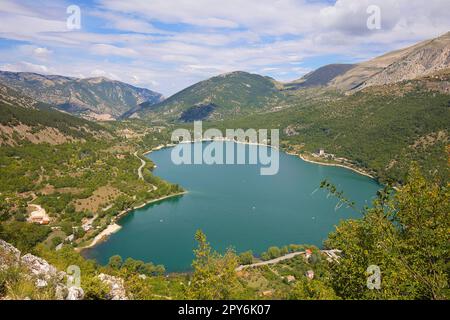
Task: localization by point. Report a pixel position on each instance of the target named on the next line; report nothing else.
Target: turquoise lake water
(235, 206)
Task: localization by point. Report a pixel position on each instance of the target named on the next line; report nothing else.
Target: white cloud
(169, 44)
(110, 50)
(264, 16)
(24, 66)
(125, 23)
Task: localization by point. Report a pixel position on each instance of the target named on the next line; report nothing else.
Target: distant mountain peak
(98, 97)
(409, 63)
(224, 95)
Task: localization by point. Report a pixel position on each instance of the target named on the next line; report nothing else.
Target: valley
(75, 175)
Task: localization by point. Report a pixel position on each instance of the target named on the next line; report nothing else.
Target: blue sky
(166, 45)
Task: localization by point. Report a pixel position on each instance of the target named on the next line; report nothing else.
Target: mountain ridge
(396, 66)
(97, 98)
(320, 77)
(232, 93)
(23, 119)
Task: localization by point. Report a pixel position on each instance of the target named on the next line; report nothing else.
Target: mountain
(320, 77)
(382, 129)
(23, 119)
(425, 59)
(406, 64)
(226, 95)
(94, 98)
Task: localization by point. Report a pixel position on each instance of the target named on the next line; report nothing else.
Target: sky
(167, 45)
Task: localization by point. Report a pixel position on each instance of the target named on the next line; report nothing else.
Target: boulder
(61, 291)
(9, 255)
(41, 283)
(41, 269)
(75, 293)
(116, 285)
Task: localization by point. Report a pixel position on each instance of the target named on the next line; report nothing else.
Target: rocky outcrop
(97, 98)
(45, 275)
(410, 63)
(428, 59)
(9, 255)
(41, 270)
(116, 285)
(75, 293)
(38, 270)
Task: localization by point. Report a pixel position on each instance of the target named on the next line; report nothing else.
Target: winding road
(332, 255)
(273, 261)
(140, 175)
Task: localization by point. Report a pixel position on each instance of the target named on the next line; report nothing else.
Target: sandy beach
(114, 227)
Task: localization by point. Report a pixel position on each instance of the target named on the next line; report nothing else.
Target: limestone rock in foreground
(116, 285)
(75, 293)
(41, 269)
(9, 255)
(44, 275)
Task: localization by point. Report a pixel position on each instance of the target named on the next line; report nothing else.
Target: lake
(235, 206)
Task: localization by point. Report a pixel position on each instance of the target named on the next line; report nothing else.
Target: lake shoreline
(328, 164)
(304, 158)
(113, 227)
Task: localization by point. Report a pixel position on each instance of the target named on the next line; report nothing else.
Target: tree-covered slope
(320, 77)
(23, 119)
(381, 128)
(233, 94)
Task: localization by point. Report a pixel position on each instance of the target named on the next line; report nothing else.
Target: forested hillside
(233, 94)
(78, 172)
(381, 129)
(404, 235)
(23, 119)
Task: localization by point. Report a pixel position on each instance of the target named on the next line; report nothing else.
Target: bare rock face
(116, 285)
(9, 255)
(422, 59)
(40, 268)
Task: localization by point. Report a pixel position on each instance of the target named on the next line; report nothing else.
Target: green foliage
(94, 289)
(46, 118)
(56, 241)
(232, 94)
(246, 257)
(306, 289)
(24, 236)
(380, 130)
(274, 252)
(115, 262)
(214, 276)
(406, 235)
(15, 285)
(75, 171)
